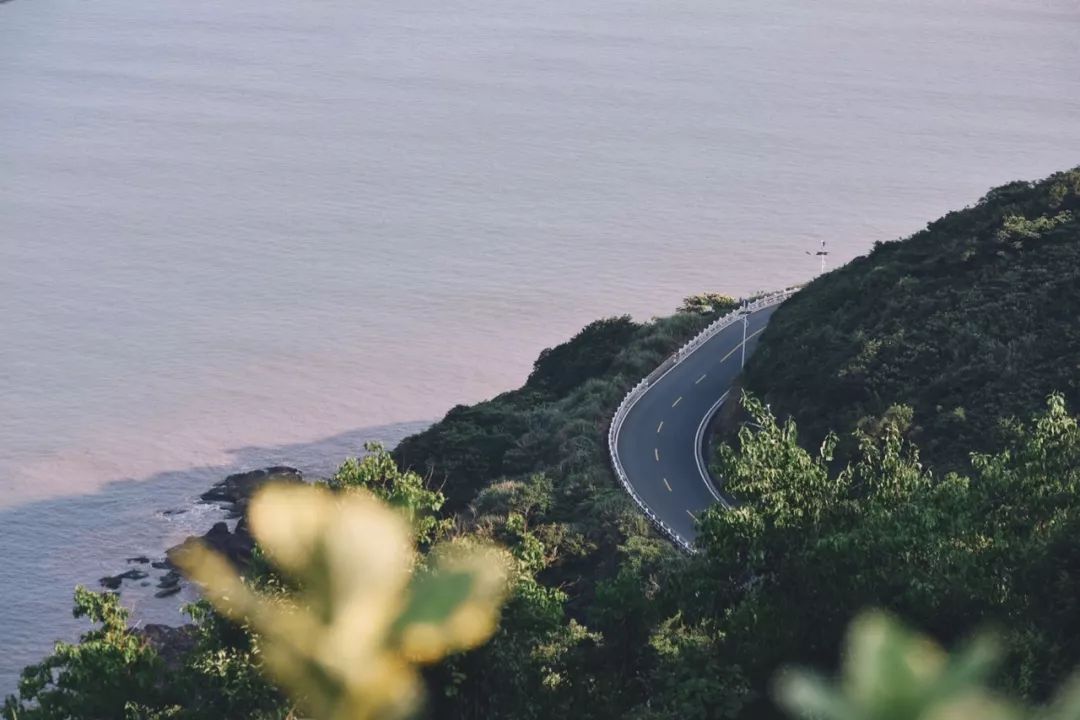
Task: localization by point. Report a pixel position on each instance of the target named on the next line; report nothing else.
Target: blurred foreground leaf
(892, 673)
(367, 607)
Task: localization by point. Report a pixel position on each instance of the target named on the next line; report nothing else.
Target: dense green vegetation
(217, 666)
(527, 468)
(662, 636)
(972, 320)
(112, 672)
(811, 545)
(604, 619)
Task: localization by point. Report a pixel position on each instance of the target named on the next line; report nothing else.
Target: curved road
(660, 440)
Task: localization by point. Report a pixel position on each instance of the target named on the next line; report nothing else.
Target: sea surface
(263, 231)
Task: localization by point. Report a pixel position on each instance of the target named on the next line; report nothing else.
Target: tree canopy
(920, 458)
(972, 320)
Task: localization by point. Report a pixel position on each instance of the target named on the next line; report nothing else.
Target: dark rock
(239, 488)
(217, 533)
(218, 493)
(236, 546)
(170, 643)
(112, 582)
(175, 511)
(170, 579)
(144, 583)
(235, 492)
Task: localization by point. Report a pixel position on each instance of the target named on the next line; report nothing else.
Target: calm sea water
(254, 231)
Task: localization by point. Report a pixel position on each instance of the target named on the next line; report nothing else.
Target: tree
(811, 544)
(378, 473)
(110, 670)
(708, 304)
(968, 321)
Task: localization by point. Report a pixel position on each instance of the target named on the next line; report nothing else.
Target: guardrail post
(631, 396)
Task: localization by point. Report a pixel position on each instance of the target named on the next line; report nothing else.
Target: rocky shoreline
(233, 494)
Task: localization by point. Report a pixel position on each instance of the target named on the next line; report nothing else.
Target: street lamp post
(745, 325)
(822, 253)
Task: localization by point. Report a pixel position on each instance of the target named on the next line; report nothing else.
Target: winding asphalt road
(660, 441)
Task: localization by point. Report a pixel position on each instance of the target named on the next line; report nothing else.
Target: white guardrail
(636, 392)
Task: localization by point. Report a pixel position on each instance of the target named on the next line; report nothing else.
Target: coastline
(79, 539)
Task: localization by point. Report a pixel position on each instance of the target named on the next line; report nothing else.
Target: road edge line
(699, 438)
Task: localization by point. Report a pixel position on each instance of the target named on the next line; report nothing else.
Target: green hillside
(959, 345)
(969, 321)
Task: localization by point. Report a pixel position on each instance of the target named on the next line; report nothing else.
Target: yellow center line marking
(677, 401)
(660, 426)
(656, 451)
(700, 378)
(667, 485)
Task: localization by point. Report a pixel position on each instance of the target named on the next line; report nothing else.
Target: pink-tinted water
(261, 231)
